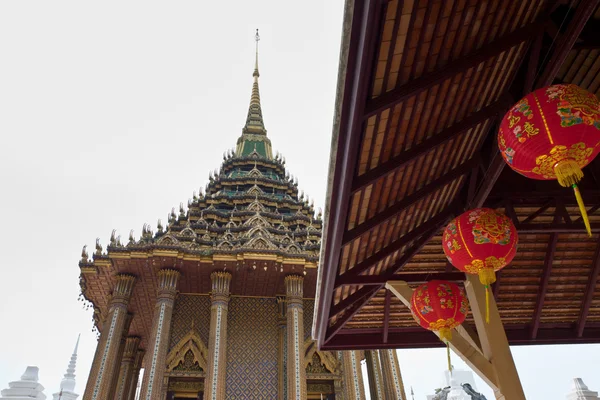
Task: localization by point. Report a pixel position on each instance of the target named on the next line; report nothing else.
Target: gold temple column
(296, 373)
(159, 338)
(119, 362)
(105, 366)
(135, 376)
(214, 388)
(281, 349)
(375, 375)
(127, 367)
(353, 378)
(392, 377)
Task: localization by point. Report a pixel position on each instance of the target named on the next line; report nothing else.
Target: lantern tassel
(582, 209)
(487, 276)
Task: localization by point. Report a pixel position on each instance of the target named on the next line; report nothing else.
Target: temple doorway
(320, 389)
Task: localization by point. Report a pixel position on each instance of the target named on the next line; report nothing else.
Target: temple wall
(309, 309)
(190, 308)
(252, 349)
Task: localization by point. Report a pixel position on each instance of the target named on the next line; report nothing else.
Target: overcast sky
(113, 112)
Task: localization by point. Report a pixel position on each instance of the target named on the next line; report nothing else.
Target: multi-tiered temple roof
(251, 219)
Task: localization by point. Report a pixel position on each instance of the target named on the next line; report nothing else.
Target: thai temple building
(26, 388)
(218, 302)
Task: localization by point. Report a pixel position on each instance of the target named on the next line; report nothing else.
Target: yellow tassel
(448, 354)
(568, 172)
(445, 335)
(582, 209)
(487, 304)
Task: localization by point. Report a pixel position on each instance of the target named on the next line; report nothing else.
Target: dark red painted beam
(589, 291)
(432, 224)
(419, 85)
(412, 277)
(370, 291)
(537, 314)
(386, 315)
(363, 31)
(489, 180)
(406, 202)
(420, 338)
(427, 145)
(585, 9)
(558, 228)
(350, 300)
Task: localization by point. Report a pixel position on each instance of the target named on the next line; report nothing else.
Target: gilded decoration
(190, 354)
(519, 121)
(489, 263)
(545, 163)
(575, 105)
(252, 349)
(326, 359)
(490, 227)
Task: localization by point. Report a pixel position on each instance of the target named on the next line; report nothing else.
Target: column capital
(123, 289)
(167, 282)
(294, 286)
(220, 283)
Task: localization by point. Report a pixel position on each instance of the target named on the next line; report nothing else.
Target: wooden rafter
(537, 314)
(386, 315)
(413, 277)
(418, 85)
(428, 145)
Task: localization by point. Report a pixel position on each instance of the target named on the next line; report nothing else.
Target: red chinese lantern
(552, 133)
(439, 306)
(481, 241)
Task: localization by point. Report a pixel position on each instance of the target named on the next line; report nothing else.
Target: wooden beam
(494, 342)
(416, 86)
(358, 48)
(537, 314)
(348, 301)
(409, 200)
(558, 228)
(428, 227)
(386, 315)
(532, 66)
(585, 9)
(350, 312)
(412, 277)
(489, 180)
(589, 291)
(463, 346)
(427, 145)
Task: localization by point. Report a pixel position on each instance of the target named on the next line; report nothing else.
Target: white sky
(111, 113)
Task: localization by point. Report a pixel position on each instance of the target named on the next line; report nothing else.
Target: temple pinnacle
(256, 39)
(67, 385)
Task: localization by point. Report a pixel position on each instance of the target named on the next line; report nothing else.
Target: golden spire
(254, 121)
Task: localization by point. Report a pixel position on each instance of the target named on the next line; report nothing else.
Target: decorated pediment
(167, 240)
(257, 220)
(256, 206)
(189, 354)
(318, 362)
(187, 232)
(260, 243)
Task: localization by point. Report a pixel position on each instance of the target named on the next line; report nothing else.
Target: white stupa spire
(580, 391)
(27, 388)
(67, 385)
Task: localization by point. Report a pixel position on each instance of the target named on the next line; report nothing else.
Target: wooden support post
(487, 351)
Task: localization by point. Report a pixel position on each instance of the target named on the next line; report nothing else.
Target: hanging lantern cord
(487, 304)
(582, 209)
(448, 355)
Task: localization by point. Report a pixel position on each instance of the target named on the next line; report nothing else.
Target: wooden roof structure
(422, 88)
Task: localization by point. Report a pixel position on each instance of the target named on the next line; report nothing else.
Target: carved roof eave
(208, 255)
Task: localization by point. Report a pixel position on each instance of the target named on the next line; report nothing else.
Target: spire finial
(256, 39)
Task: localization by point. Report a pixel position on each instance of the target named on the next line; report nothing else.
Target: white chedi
(25, 389)
(67, 385)
(580, 391)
